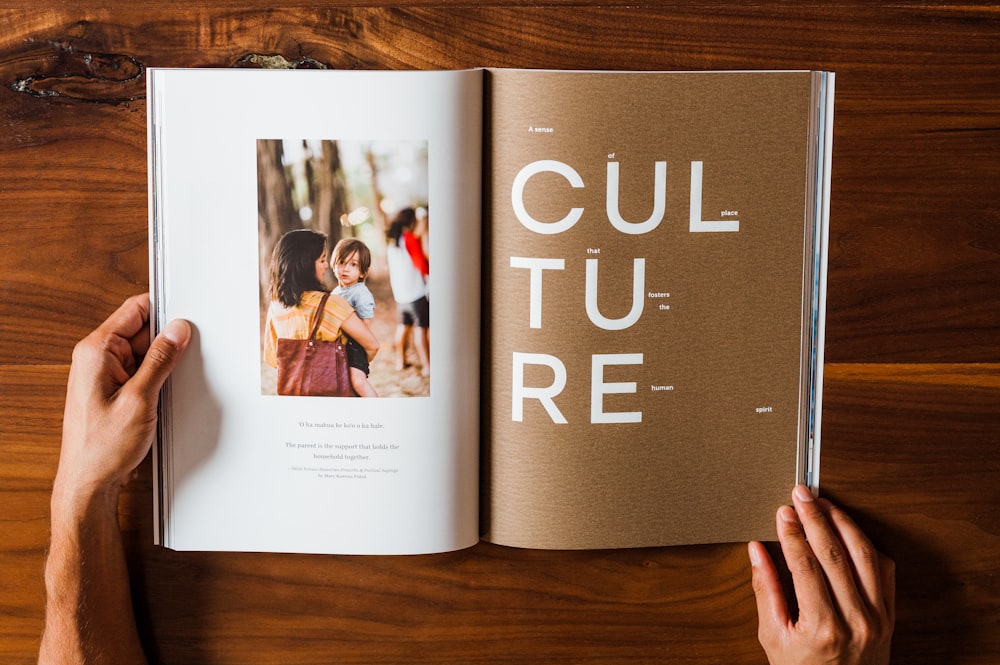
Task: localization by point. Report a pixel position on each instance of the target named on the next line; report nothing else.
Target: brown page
(646, 366)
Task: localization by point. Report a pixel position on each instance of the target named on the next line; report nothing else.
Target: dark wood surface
(912, 393)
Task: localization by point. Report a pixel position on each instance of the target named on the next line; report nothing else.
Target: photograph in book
(349, 219)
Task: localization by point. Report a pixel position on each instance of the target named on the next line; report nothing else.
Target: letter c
(517, 196)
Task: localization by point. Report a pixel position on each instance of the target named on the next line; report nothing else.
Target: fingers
(862, 556)
(129, 319)
(830, 552)
(109, 353)
(874, 573)
(161, 357)
(845, 589)
(772, 608)
(811, 589)
(110, 411)
(119, 339)
(888, 576)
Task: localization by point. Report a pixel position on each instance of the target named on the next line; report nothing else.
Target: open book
(623, 316)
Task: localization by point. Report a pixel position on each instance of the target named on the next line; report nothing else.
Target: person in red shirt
(409, 272)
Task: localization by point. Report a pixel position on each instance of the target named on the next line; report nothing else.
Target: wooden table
(912, 420)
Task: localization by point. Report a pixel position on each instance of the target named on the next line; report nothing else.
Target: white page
(233, 472)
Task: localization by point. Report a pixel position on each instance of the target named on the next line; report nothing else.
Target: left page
(240, 159)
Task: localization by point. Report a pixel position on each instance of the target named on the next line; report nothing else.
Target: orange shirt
(295, 322)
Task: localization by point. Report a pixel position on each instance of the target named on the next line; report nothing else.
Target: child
(350, 261)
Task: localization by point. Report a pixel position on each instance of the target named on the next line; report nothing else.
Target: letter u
(659, 201)
(638, 291)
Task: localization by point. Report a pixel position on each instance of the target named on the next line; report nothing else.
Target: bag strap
(318, 317)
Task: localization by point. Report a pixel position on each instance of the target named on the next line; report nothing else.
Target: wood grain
(910, 451)
(913, 396)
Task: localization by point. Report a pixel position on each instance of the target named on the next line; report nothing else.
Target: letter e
(598, 388)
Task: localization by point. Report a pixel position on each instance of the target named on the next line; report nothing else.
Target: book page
(240, 159)
(648, 289)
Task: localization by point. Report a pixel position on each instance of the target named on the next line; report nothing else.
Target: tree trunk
(331, 191)
(378, 214)
(276, 215)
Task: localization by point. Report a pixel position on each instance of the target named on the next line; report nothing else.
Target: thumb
(162, 356)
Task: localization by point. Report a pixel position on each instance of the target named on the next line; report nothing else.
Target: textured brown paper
(720, 333)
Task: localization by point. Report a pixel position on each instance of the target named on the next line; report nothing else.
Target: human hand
(114, 384)
(845, 590)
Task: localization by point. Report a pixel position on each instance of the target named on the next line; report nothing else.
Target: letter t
(536, 266)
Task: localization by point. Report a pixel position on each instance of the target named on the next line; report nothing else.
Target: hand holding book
(845, 590)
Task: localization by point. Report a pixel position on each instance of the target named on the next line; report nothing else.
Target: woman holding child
(299, 267)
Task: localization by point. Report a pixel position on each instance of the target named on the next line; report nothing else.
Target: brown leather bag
(312, 366)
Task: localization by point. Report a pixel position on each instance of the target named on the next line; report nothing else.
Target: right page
(654, 271)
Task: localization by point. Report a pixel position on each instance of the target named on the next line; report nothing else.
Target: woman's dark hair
(293, 266)
(405, 219)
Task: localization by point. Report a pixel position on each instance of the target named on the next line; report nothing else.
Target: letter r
(543, 395)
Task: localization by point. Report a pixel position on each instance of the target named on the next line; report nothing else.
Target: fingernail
(177, 331)
(787, 514)
(754, 554)
(803, 494)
